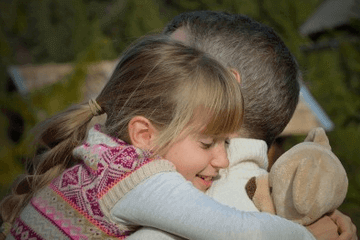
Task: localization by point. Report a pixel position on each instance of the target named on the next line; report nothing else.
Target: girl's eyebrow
(213, 138)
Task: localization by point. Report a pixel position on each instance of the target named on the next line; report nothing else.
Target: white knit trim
(108, 201)
(246, 149)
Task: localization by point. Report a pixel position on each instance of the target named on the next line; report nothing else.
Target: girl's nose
(220, 159)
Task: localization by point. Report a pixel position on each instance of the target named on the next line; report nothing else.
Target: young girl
(169, 107)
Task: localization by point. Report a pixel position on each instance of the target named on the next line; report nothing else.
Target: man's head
(268, 71)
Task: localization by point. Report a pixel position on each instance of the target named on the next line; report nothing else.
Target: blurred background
(56, 52)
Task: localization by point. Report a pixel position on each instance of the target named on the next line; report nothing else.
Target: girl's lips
(206, 180)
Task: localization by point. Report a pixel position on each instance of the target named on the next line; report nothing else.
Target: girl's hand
(329, 227)
(345, 227)
(324, 229)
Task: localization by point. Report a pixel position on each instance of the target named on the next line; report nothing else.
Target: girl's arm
(148, 233)
(168, 202)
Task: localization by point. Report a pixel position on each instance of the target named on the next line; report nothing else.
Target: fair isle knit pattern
(77, 204)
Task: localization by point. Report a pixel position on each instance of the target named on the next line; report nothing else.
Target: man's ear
(141, 132)
(179, 35)
(236, 74)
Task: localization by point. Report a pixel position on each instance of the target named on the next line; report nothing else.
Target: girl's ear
(236, 74)
(141, 132)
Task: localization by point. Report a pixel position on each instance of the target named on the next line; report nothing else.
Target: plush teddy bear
(305, 183)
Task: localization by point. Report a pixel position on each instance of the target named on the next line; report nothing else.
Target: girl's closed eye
(206, 144)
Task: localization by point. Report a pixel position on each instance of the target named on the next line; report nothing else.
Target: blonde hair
(172, 85)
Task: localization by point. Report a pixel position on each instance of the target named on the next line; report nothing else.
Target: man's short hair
(269, 72)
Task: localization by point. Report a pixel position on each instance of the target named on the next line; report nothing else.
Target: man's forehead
(179, 35)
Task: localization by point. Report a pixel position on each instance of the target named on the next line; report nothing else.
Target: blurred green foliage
(85, 31)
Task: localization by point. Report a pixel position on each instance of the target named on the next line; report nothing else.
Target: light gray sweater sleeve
(148, 233)
(168, 202)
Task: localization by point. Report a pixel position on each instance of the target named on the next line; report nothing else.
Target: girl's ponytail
(59, 135)
(54, 143)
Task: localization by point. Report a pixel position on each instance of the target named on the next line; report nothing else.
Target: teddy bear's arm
(258, 190)
(250, 187)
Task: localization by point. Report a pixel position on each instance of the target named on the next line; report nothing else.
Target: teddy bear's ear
(306, 185)
(318, 135)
